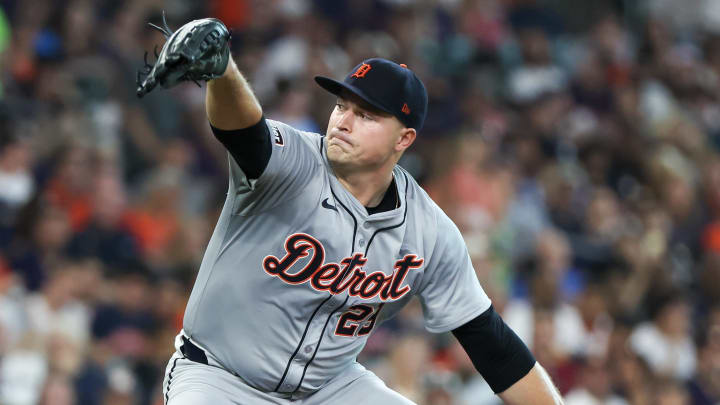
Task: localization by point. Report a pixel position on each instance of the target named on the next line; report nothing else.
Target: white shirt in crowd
(675, 358)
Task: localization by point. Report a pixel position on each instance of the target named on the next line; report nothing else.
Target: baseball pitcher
(321, 238)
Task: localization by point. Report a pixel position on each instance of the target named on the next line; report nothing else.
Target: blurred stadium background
(575, 143)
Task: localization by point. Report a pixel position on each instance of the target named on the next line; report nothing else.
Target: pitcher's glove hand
(197, 51)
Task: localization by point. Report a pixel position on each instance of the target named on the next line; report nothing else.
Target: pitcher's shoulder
(285, 135)
(418, 199)
(427, 221)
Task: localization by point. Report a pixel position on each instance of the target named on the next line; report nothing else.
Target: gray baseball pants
(189, 383)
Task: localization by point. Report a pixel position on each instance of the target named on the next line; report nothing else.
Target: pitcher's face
(360, 136)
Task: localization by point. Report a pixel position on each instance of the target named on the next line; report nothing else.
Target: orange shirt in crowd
(153, 232)
(78, 206)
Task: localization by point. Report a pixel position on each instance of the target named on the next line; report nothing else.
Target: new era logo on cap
(386, 85)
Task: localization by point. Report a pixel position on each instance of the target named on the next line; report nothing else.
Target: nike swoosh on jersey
(325, 204)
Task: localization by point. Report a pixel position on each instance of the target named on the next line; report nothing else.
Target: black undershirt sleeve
(250, 147)
(495, 350)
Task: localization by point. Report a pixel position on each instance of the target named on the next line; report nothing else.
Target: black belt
(192, 352)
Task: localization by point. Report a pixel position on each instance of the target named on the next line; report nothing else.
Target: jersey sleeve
(294, 159)
(450, 292)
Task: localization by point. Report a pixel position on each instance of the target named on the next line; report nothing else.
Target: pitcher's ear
(407, 137)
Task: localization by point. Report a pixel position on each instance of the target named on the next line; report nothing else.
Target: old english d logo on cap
(362, 70)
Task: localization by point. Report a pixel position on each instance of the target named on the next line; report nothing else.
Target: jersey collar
(352, 203)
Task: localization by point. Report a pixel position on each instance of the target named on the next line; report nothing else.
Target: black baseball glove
(197, 51)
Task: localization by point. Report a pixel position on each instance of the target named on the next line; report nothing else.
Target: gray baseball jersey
(297, 274)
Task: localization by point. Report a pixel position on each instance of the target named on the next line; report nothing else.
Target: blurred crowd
(575, 144)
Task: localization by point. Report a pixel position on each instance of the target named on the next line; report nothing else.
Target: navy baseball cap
(387, 86)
